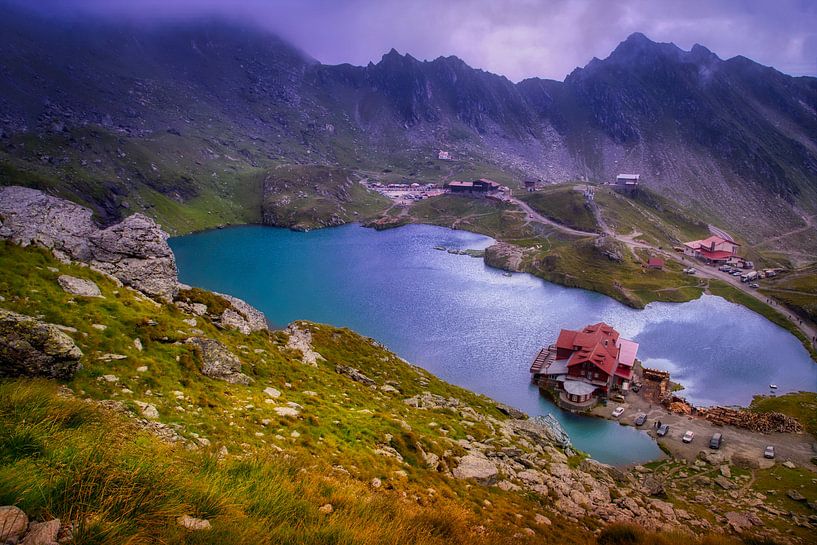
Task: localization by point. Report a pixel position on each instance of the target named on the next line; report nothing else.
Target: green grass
(564, 205)
(660, 222)
(799, 405)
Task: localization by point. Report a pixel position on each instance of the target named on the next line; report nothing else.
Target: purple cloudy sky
(516, 38)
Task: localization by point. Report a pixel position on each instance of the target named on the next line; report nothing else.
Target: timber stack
(752, 421)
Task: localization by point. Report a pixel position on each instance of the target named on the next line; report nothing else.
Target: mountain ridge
(722, 137)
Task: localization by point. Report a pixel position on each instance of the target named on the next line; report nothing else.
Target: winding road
(808, 329)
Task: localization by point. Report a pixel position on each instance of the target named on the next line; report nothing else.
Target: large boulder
(79, 286)
(134, 251)
(31, 348)
(478, 468)
(243, 316)
(217, 362)
(13, 523)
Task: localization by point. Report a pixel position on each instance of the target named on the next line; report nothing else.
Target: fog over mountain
(515, 38)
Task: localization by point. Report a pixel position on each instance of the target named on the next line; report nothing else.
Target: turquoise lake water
(475, 327)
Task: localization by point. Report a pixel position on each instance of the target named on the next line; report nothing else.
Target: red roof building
(655, 263)
(712, 249)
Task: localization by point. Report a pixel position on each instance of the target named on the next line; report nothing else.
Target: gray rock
(29, 347)
(42, 533)
(134, 251)
(147, 410)
(300, 339)
(795, 495)
(217, 362)
(243, 316)
(355, 375)
(79, 286)
(725, 471)
(272, 392)
(477, 467)
(724, 483)
(192, 523)
(13, 523)
(510, 411)
(654, 487)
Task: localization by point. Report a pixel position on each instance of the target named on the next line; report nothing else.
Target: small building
(583, 366)
(712, 249)
(444, 155)
(482, 185)
(627, 182)
(655, 263)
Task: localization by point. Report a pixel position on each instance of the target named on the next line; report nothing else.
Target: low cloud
(515, 38)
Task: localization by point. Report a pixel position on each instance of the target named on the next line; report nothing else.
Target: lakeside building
(712, 250)
(483, 185)
(585, 366)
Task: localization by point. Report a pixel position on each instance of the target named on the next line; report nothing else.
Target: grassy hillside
(86, 454)
(565, 205)
(796, 289)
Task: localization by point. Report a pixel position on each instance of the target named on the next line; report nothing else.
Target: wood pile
(679, 407)
(758, 422)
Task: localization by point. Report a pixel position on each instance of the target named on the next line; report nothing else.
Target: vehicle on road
(640, 419)
(715, 441)
(754, 285)
(618, 397)
(618, 412)
(663, 430)
(769, 452)
(688, 436)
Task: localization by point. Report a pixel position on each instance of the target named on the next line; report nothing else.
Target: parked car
(754, 285)
(688, 436)
(618, 397)
(640, 419)
(735, 273)
(663, 430)
(769, 452)
(715, 441)
(618, 412)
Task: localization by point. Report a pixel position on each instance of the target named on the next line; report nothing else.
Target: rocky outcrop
(355, 375)
(478, 468)
(217, 362)
(31, 348)
(242, 316)
(134, 251)
(300, 339)
(79, 286)
(502, 255)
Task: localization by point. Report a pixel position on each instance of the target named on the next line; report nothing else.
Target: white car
(688, 437)
(618, 412)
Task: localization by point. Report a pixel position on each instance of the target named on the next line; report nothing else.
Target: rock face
(42, 533)
(478, 468)
(13, 523)
(79, 286)
(301, 339)
(217, 362)
(31, 348)
(134, 251)
(243, 316)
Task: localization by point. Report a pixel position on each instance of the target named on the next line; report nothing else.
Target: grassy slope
(62, 456)
(564, 205)
(659, 221)
(54, 450)
(312, 196)
(796, 289)
(800, 405)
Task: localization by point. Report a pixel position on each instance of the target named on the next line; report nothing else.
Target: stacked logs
(758, 422)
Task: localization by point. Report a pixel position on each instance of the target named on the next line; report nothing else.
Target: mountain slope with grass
(185, 121)
(185, 424)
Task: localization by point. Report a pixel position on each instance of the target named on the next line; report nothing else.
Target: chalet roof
(655, 262)
(708, 242)
(598, 344)
(628, 177)
(458, 183)
(579, 388)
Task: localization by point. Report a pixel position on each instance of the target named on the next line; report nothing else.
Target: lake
(475, 327)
